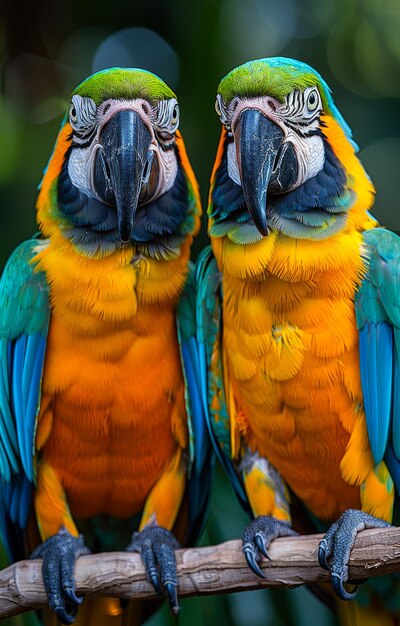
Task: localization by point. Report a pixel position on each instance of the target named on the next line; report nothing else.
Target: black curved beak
(258, 141)
(126, 142)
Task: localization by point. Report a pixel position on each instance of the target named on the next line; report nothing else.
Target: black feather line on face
(83, 140)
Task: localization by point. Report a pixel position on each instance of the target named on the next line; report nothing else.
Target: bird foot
(156, 546)
(337, 544)
(59, 554)
(258, 535)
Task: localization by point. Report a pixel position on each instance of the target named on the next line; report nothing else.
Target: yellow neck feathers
(298, 260)
(90, 293)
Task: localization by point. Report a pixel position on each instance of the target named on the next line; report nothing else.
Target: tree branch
(203, 571)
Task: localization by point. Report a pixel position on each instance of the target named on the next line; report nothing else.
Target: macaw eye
(73, 114)
(175, 114)
(166, 117)
(312, 100)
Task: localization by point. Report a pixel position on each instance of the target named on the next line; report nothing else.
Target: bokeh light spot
(378, 66)
(35, 87)
(364, 49)
(9, 141)
(381, 159)
(138, 47)
(245, 35)
(297, 19)
(77, 53)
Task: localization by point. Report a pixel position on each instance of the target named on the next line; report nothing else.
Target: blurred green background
(47, 47)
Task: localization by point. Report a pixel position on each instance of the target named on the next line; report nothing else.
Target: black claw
(337, 544)
(172, 595)
(59, 554)
(155, 581)
(338, 586)
(322, 560)
(260, 542)
(250, 555)
(71, 596)
(257, 537)
(156, 546)
(65, 617)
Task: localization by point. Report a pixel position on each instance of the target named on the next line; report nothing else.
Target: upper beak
(258, 141)
(126, 141)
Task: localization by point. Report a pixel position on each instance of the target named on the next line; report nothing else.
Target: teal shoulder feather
(378, 320)
(201, 456)
(24, 319)
(209, 326)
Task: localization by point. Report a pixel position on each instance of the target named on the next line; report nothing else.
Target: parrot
(298, 309)
(103, 439)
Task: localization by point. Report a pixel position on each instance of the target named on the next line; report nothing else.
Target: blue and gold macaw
(299, 318)
(102, 430)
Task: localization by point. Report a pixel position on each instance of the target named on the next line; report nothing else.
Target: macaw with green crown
(102, 434)
(299, 321)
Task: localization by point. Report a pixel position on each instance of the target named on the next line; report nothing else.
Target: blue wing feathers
(201, 453)
(198, 422)
(24, 318)
(376, 345)
(8, 435)
(17, 397)
(384, 342)
(396, 396)
(32, 400)
(208, 332)
(203, 463)
(378, 319)
(31, 346)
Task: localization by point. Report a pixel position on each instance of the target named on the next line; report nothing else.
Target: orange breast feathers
(112, 413)
(291, 363)
(291, 352)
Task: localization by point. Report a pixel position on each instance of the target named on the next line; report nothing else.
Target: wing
(24, 306)
(201, 455)
(209, 323)
(378, 320)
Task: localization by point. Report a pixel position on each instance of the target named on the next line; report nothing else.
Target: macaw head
(286, 161)
(119, 173)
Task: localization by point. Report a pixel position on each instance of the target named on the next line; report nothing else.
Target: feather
(208, 336)
(376, 346)
(202, 457)
(396, 395)
(377, 311)
(23, 331)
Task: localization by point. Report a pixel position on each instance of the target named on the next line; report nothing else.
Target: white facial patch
(167, 171)
(81, 167)
(164, 117)
(233, 170)
(310, 155)
(298, 107)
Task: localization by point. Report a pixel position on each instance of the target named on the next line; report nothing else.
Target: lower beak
(258, 141)
(126, 141)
